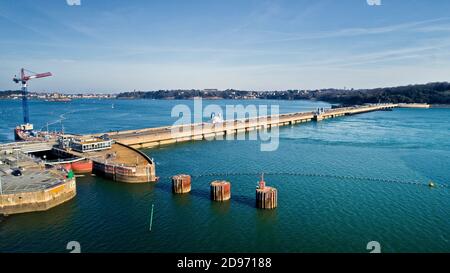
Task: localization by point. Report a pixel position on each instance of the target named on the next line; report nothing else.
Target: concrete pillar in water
(220, 190)
(181, 183)
(266, 197)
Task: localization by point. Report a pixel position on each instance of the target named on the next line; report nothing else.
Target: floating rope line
(342, 177)
(62, 117)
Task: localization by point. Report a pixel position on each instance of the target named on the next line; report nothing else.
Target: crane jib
(41, 75)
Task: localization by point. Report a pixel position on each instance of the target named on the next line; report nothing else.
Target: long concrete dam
(152, 137)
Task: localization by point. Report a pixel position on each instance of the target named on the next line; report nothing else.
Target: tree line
(433, 93)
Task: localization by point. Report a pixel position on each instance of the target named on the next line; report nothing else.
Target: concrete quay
(27, 185)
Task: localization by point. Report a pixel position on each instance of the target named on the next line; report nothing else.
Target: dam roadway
(152, 137)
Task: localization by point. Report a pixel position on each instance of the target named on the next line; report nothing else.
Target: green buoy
(70, 174)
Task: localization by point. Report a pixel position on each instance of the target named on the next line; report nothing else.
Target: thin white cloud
(350, 32)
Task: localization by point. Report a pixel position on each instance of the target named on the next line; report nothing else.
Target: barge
(26, 132)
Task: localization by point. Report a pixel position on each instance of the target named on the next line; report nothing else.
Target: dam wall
(152, 137)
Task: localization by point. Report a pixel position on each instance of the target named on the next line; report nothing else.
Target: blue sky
(116, 45)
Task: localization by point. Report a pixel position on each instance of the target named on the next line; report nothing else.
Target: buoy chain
(344, 177)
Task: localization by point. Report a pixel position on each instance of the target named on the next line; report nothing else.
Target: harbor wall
(37, 200)
(140, 174)
(120, 171)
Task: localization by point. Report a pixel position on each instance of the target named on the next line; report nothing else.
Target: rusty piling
(266, 197)
(220, 190)
(181, 183)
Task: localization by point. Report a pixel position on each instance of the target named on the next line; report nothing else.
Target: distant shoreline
(439, 105)
(430, 93)
(436, 94)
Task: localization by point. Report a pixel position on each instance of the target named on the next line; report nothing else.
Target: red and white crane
(23, 79)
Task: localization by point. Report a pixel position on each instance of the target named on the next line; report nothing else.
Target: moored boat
(83, 166)
(26, 132)
(59, 100)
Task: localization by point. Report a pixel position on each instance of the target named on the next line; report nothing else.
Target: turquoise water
(314, 214)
